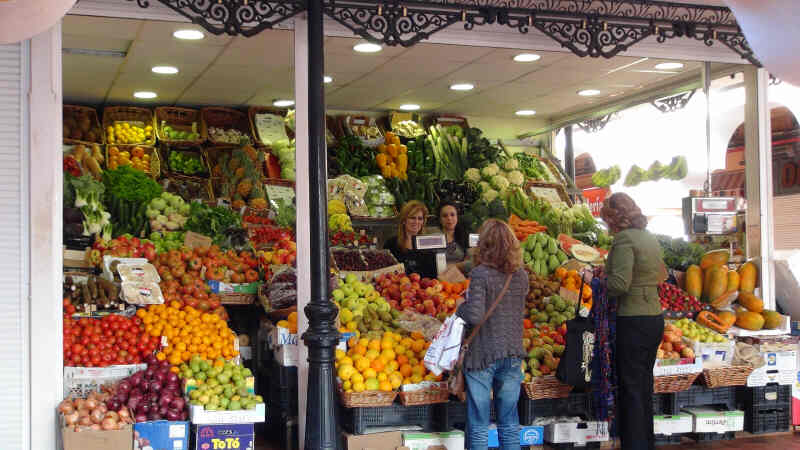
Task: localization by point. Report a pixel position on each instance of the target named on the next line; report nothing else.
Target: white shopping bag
(443, 352)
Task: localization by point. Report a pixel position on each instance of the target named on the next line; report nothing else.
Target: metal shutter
(13, 249)
(786, 225)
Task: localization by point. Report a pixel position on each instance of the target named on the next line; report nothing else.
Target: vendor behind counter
(410, 222)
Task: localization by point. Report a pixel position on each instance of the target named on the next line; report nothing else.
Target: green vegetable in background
(480, 151)
(450, 151)
(606, 177)
(88, 197)
(676, 170)
(532, 168)
(354, 158)
(286, 215)
(636, 175)
(213, 222)
(128, 192)
(188, 163)
(679, 254)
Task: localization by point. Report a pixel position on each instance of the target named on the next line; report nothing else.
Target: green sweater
(634, 269)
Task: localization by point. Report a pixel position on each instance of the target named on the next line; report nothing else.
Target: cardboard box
(450, 440)
(712, 355)
(76, 259)
(287, 355)
(576, 433)
(665, 367)
(390, 440)
(676, 424)
(528, 435)
(199, 416)
(709, 420)
(280, 336)
(196, 240)
(161, 434)
(780, 368)
(80, 381)
(98, 440)
(230, 436)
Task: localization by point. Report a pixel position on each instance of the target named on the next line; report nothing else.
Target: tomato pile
(258, 220)
(123, 246)
(114, 339)
(269, 234)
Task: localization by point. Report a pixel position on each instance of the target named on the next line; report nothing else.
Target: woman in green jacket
(634, 269)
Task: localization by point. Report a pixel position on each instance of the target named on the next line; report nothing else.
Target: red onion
(114, 405)
(172, 377)
(141, 417)
(109, 424)
(71, 418)
(124, 386)
(178, 403)
(96, 416)
(164, 400)
(173, 415)
(65, 407)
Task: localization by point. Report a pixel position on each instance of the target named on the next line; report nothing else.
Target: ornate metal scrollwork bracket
(674, 103)
(595, 125)
(234, 17)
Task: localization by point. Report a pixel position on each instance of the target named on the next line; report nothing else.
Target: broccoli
(497, 210)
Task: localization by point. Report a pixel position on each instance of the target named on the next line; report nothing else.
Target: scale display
(473, 239)
(430, 242)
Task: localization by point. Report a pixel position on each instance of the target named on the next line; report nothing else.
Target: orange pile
(454, 290)
(571, 280)
(384, 363)
(188, 332)
(290, 323)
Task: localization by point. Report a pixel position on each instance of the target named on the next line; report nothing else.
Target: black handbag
(575, 367)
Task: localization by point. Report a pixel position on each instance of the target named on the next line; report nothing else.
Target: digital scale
(710, 215)
(473, 240)
(430, 252)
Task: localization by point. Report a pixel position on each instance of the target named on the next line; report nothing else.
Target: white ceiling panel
(354, 63)
(441, 53)
(105, 28)
(479, 71)
(93, 43)
(148, 53)
(162, 32)
(217, 95)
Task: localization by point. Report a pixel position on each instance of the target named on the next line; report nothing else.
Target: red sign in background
(595, 197)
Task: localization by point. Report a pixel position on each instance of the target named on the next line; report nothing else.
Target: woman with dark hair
(457, 237)
(633, 270)
(492, 362)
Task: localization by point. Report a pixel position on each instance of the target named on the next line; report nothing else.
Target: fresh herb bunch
(354, 158)
(129, 184)
(679, 254)
(213, 222)
(532, 168)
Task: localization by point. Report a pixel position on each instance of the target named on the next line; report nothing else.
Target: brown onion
(112, 415)
(102, 407)
(109, 424)
(65, 407)
(91, 403)
(83, 412)
(85, 421)
(124, 413)
(77, 429)
(80, 403)
(96, 416)
(71, 418)
(95, 427)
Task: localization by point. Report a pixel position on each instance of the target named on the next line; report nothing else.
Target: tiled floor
(786, 441)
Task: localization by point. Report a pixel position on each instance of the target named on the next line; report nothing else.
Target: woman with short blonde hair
(492, 362)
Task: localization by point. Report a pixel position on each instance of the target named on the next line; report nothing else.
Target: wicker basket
(166, 150)
(236, 298)
(726, 376)
(367, 399)
(155, 160)
(131, 114)
(251, 114)
(180, 119)
(546, 387)
(424, 397)
(71, 111)
(673, 383)
(205, 182)
(226, 118)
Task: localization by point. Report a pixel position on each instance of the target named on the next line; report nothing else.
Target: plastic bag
(444, 349)
(426, 325)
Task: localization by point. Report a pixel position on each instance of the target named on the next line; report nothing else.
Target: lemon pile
(383, 363)
(125, 133)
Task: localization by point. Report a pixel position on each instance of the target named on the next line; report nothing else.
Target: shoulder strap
(489, 312)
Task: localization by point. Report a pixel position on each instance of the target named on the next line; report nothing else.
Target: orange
(418, 345)
(387, 344)
(362, 364)
(360, 349)
(405, 370)
(377, 365)
(402, 359)
(385, 386)
(374, 345)
(292, 317)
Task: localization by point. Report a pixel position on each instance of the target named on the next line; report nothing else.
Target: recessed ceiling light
(409, 107)
(165, 70)
(462, 87)
(283, 103)
(669, 66)
(145, 94)
(588, 92)
(525, 112)
(189, 35)
(526, 57)
(367, 47)
(326, 79)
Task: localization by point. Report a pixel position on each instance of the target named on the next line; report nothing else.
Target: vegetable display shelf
(188, 150)
(136, 116)
(225, 118)
(700, 396)
(90, 115)
(155, 170)
(361, 420)
(255, 110)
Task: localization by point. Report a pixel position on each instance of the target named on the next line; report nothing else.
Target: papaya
(772, 319)
(724, 300)
(707, 273)
(751, 302)
(733, 280)
(694, 281)
(718, 282)
(712, 321)
(727, 317)
(747, 277)
(714, 258)
(750, 320)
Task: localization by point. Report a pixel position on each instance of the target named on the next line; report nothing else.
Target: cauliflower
(511, 164)
(516, 178)
(484, 186)
(473, 175)
(489, 195)
(500, 183)
(489, 171)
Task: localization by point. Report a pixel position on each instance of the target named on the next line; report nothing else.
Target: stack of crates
(767, 409)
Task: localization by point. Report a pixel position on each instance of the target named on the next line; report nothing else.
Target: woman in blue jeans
(492, 362)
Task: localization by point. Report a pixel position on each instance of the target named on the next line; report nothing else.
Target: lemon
(359, 387)
(356, 378)
(340, 354)
(347, 385)
(369, 373)
(345, 372)
(346, 361)
(372, 384)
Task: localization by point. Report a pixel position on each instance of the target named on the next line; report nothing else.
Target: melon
(772, 319)
(750, 320)
(584, 253)
(714, 258)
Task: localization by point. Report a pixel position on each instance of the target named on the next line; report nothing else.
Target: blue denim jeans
(503, 377)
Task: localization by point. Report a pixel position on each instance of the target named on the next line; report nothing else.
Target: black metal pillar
(322, 335)
(569, 154)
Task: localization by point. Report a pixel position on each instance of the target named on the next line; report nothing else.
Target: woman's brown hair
(620, 212)
(406, 211)
(498, 247)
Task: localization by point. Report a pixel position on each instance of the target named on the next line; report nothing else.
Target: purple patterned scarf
(604, 376)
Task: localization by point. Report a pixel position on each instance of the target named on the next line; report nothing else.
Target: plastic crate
(660, 404)
(453, 415)
(577, 404)
(359, 420)
(673, 439)
(765, 396)
(588, 445)
(700, 396)
(712, 437)
(768, 419)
